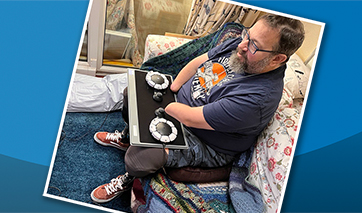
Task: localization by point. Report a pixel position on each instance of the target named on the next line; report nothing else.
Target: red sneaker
(109, 191)
(111, 139)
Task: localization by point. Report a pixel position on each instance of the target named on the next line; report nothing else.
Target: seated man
(226, 97)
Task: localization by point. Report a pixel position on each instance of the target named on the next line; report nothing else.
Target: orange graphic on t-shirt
(212, 77)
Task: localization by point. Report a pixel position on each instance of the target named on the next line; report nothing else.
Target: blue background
(38, 46)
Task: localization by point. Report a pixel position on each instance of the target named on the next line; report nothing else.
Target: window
(117, 29)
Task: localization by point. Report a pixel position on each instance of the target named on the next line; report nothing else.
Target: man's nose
(244, 45)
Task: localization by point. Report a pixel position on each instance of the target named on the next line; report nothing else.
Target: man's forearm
(187, 72)
(190, 116)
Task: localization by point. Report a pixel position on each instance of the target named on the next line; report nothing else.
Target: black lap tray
(142, 110)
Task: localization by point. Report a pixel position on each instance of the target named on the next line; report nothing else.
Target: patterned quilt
(165, 195)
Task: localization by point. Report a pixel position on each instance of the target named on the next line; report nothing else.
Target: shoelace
(114, 184)
(114, 136)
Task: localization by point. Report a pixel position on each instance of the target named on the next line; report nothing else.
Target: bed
(258, 178)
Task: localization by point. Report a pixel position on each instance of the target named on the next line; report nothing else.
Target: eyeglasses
(252, 46)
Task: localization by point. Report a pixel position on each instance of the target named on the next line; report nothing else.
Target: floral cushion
(159, 44)
(272, 154)
(296, 77)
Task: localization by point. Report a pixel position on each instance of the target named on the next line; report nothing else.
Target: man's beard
(242, 67)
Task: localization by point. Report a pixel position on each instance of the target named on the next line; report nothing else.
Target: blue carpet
(82, 165)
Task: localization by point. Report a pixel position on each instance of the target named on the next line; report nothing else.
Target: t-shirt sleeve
(233, 115)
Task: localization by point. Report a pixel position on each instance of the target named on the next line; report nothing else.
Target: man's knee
(142, 161)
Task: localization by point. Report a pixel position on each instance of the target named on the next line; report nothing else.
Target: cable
(53, 187)
(165, 157)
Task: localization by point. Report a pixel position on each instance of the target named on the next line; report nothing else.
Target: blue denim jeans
(197, 155)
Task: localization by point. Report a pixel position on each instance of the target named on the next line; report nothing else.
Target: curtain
(120, 14)
(160, 16)
(144, 17)
(207, 16)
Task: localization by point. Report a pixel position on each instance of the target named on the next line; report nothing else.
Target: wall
(312, 32)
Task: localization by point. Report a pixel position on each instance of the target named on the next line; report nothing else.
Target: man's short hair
(291, 33)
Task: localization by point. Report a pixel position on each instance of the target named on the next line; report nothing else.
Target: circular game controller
(157, 81)
(162, 129)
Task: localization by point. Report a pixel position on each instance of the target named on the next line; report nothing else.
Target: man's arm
(188, 71)
(190, 116)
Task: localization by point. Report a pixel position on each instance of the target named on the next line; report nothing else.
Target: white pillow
(296, 77)
(158, 44)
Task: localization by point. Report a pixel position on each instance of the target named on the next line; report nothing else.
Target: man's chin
(236, 62)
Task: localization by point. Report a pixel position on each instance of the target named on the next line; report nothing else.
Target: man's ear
(279, 59)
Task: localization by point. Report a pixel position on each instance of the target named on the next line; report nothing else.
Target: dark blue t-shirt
(237, 106)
